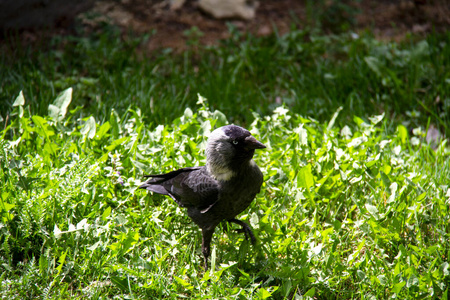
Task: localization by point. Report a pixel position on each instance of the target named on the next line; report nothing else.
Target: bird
(219, 190)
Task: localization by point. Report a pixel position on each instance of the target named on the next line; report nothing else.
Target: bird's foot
(246, 229)
(249, 233)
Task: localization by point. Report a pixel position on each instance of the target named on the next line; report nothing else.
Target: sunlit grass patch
(346, 211)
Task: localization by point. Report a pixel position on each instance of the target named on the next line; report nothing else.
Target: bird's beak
(252, 143)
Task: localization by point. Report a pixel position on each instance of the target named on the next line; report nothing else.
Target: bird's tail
(154, 187)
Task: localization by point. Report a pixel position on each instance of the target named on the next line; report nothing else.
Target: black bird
(220, 190)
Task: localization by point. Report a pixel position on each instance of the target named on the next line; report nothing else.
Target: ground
(169, 27)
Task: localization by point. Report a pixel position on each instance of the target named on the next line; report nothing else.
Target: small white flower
(383, 143)
(346, 132)
(376, 119)
(415, 141)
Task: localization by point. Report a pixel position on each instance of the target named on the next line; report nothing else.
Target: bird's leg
(245, 228)
(206, 244)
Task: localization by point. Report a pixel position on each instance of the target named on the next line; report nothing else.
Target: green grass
(312, 74)
(355, 202)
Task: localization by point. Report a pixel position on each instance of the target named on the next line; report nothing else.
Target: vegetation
(311, 74)
(355, 202)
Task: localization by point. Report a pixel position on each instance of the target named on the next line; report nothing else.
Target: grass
(311, 74)
(355, 202)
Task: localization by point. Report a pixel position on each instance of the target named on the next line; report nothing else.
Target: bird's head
(228, 149)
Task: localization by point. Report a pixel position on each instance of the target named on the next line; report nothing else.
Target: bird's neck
(220, 173)
(225, 173)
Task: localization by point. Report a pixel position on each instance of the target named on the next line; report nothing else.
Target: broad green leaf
(43, 265)
(121, 282)
(346, 132)
(5, 206)
(88, 81)
(326, 232)
(361, 274)
(94, 246)
(53, 112)
(351, 258)
(61, 261)
(333, 119)
(374, 64)
(421, 49)
(373, 210)
(114, 121)
(220, 117)
(58, 109)
(385, 179)
(412, 281)
(306, 180)
(310, 293)
(305, 177)
(201, 100)
(89, 128)
(183, 282)
(42, 127)
(51, 148)
(116, 143)
(421, 196)
(302, 135)
(20, 100)
(402, 133)
(106, 213)
(131, 239)
(262, 293)
(382, 279)
(83, 224)
(376, 119)
(393, 190)
(103, 130)
(188, 113)
(355, 179)
(398, 287)
(360, 122)
(139, 165)
(444, 268)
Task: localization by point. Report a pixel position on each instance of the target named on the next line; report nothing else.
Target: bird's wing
(189, 187)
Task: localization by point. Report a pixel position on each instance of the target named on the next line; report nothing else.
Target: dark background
(33, 19)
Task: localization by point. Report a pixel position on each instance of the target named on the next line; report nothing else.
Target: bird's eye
(235, 142)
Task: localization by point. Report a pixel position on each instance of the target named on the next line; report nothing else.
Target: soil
(169, 26)
(391, 20)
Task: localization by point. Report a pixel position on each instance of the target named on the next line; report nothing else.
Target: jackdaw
(220, 190)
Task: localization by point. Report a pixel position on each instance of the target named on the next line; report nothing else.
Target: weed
(345, 212)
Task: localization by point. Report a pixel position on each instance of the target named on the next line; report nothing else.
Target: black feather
(189, 187)
(207, 199)
(236, 132)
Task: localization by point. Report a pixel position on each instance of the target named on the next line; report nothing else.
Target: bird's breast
(239, 192)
